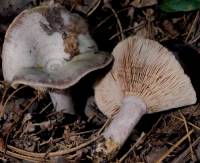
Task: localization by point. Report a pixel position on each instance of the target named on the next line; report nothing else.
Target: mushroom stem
(62, 101)
(131, 111)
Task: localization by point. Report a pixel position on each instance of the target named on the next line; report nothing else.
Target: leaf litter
(32, 130)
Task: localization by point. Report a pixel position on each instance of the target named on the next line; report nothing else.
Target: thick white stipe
(131, 111)
(62, 101)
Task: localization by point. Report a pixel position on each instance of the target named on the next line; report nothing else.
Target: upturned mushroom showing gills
(145, 78)
(49, 47)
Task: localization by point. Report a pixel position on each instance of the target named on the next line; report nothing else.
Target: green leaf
(179, 5)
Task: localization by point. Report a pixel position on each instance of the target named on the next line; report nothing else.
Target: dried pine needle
(174, 146)
(189, 138)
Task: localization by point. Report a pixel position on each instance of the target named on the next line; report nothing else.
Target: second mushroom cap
(146, 69)
(145, 78)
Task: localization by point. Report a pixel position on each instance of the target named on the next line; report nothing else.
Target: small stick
(13, 126)
(9, 97)
(94, 8)
(174, 146)
(191, 124)
(53, 154)
(132, 148)
(195, 39)
(4, 92)
(67, 151)
(104, 126)
(118, 22)
(84, 132)
(192, 27)
(189, 138)
(45, 108)
(154, 126)
(126, 30)
(107, 18)
(72, 156)
(185, 153)
(20, 156)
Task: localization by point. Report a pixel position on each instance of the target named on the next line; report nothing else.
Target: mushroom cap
(41, 49)
(146, 69)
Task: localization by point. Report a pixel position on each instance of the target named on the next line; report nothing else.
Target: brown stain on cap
(69, 32)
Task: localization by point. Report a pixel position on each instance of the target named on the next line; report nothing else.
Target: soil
(31, 129)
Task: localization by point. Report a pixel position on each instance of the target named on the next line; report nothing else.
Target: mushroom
(49, 47)
(145, 78)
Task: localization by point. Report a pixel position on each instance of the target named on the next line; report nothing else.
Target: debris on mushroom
(49, 47)
(145, 78)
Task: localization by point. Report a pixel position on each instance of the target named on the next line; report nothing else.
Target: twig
(9, 97)
(84, 132)
(104, 126)
(118, 22)
(195, 39)
(45, 108)
(181, 157)
(107, 18)
(174, 146)
(72, 156)
(191, 124)
(189, 138)
(46, 142)
(53, 154)
(21, 156)
(94, 8)
(153, 127)
(132, 148)
(67, 151)
(192, 26)
(16, 122)
(4, 93)
(126, 30)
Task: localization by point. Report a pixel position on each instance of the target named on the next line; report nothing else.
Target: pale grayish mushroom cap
(146, 69)
(49, 47)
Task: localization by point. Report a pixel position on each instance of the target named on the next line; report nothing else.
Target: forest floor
(30, 128)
